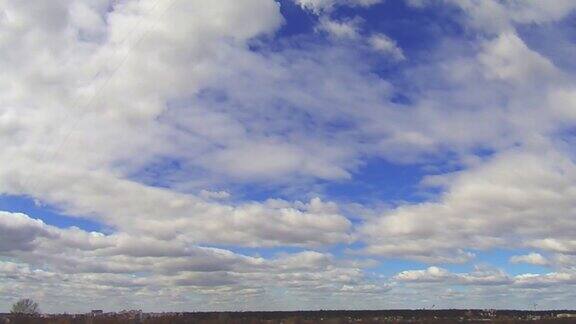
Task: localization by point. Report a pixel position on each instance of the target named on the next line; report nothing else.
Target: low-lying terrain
(303, 317)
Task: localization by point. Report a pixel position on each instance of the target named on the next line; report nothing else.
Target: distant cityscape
(298, 317)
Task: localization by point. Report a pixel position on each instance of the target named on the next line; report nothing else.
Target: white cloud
(19, 232)
(214, 194)
(439, 275)
(432, 274)
(319, 6)
(543, 280)
(348, 29)
(387, 46)
(482, 208)
(76, 117)
(532, 258)
(500, 58)
(497, 16)
(480, 278)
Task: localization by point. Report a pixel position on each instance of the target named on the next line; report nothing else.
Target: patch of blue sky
(173, 174)
(262, 252)
(48, 214)
(379, 181)
(297, 21)
(566, 139)
(500, 259)
(415, 30)
(418, 31)
(389, 267)
(260, 193)
(376, 181)
(556, 41)
(163, 172)
(490, 259)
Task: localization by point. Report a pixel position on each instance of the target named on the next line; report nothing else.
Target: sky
(183, 155)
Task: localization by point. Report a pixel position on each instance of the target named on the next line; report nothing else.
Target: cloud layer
(204, 138)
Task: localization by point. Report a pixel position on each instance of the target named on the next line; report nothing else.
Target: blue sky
(293, 154)
(48, 214)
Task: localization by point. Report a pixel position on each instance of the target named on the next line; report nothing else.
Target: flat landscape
(308, 317)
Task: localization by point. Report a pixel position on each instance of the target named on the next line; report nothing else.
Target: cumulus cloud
(497, 16)
(104, 264)
(544, 280)
(19, 232)
(485, 277)
(387, 46)
(319, 6)
(501, 61)
(482, 207)
(439, 275)
(134, 61)
(339, 29)
(431, 274)
(532, 258)
(103, 78)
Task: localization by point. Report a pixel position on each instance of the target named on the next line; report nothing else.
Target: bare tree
(25, 306)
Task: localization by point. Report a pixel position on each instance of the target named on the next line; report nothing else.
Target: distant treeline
(305, 317)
